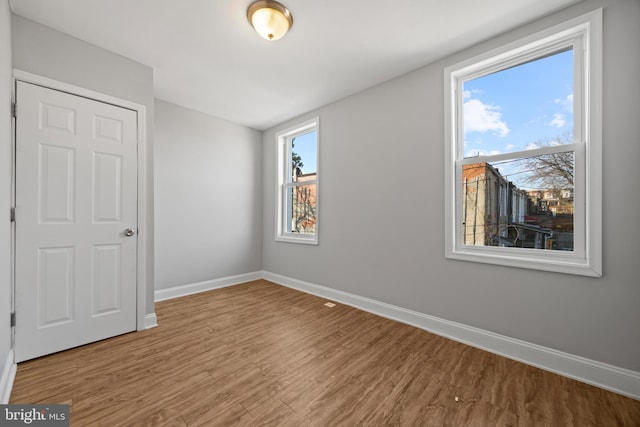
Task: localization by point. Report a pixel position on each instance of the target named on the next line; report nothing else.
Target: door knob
(129, 232)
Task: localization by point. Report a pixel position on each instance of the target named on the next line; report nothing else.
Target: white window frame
(283, 173)
(584, 35)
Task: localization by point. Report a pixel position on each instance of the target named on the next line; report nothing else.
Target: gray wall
(5, 181)
(208, 197)
(382, 214)
(50, 53)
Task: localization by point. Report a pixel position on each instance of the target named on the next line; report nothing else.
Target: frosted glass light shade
(270, 19)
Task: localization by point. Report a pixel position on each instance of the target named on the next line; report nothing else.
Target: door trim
(142, 320)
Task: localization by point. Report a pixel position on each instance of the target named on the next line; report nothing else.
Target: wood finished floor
(262, 354)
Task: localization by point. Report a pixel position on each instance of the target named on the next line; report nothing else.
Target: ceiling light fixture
(270, 19)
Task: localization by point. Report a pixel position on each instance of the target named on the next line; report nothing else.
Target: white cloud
(566, 103)
(558, 120)
(542, 143)
(467, 94)
(479, 117)
(555, 142)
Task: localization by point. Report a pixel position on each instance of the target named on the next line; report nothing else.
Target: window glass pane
(525, 203)
(303, 155)
(301, 201)
(520, 108)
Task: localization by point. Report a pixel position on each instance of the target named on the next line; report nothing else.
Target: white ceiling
(206, 56)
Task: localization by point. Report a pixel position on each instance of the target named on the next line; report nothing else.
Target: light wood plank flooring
(262, 354)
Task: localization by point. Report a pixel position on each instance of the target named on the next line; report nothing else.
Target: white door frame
(143, 230)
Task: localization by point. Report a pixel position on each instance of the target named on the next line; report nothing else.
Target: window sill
(557, 261)
(298, 238)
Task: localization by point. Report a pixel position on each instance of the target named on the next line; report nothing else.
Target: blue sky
(305, 146)
(513, 109)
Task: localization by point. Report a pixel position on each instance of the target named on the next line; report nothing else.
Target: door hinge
(14, 110)
(13, 214)
(13, 319)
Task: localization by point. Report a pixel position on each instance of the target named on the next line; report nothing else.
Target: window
(297, 168)
(523, 152)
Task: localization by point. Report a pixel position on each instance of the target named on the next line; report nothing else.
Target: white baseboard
(150, 321)
(207, 285)
(7, 377)
(609, 377)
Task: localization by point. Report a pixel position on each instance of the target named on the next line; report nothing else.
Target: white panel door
(76, 209)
